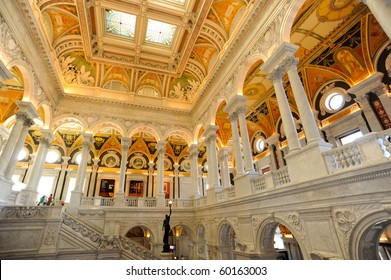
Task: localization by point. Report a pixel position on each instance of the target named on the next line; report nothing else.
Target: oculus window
(159, 32)
(120, 23)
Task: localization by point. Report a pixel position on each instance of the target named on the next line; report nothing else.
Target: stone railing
(81, 228)
(373, 148)
(136, 249)
(271, 180)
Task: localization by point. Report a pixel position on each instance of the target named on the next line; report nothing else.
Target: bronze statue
(166, 228)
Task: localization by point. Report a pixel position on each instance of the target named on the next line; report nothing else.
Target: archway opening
(375, 243)
(226, 247)
(140, 235)
(181, 242)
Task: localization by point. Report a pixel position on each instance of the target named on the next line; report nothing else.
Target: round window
(52, 156)
(259, 145)
(334, 101)
(22, 154)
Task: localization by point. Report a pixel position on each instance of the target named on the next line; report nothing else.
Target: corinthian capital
(290, 61)
(276, 75)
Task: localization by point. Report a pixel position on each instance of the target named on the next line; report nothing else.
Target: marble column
(4, 134)
(381, 9)
(213, 167)
(9, 156)
(161, 149)
(120, 194)
(277, 156)
(193, 151)
(306, 115)
(77, 193)
(223, 158)
(94, 171)
(245, 140)
(150, 179)
(176, 181)
(29, 168)
(233, 118)
(361, 90)
(60, 183)
(286, 114)
(30, 194)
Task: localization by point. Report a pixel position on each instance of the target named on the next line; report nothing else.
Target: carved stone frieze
(50, 236)
(345, 218)
(81, 228)
(25, 212)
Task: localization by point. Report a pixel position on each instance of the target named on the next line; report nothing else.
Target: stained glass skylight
(160, 32)
(120, 23)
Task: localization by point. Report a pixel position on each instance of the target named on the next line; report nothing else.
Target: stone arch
(244, 68)
(287, 21)
(107, 124)
(196, 132)
(149, 227)
(226, 241)
(184, 133)
(214, 109)
(266, 231)
(188, 226)
(64, 119)
(363, 234)
(47, 114)
(28, 78)
(146, 128)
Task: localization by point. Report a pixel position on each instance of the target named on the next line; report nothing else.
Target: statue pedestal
(166, 256)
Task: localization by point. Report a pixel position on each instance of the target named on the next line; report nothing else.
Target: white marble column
(24, 119)
(60, 184)
(161, 149)
(361, 90)
(213, 168)
(306, 115)
(29, 168)
(176, 181)
(150, 179)
(223, 158)
(77, 193)
(4, 134)
(120, 194)
(233, 118)
(286, 114)
(381, 9)
(245, 140)
(30, 193)
(95, 166)
(193, 151)
(278, 158)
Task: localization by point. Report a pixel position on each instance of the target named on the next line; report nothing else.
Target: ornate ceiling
(144, 52)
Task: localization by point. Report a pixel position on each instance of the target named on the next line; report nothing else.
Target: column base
(166, 256)
(119, 200)
(5, 190)
(76, 197)
(161, 201)
(243, 186)
(307, 163)
(28, 197)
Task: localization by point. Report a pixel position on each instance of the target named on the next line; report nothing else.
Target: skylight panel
(160, 32)
(120, 23)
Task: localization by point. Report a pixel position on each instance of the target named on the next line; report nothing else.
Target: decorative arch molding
(196, 131)
(216, 104)
(144, 127)
(244, 67)
(104, 124)
(290, 11)
(126, 226)
(184, 133)
(221, 223)
(352, 222)
(267, 226)
(63, 119)
(28, 78)
(189, 226)
(48, 113)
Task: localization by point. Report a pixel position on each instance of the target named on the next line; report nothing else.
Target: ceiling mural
(11, 91)
(146, 47)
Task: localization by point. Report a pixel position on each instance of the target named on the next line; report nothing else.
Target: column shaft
(247, 153)
(236, 142)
